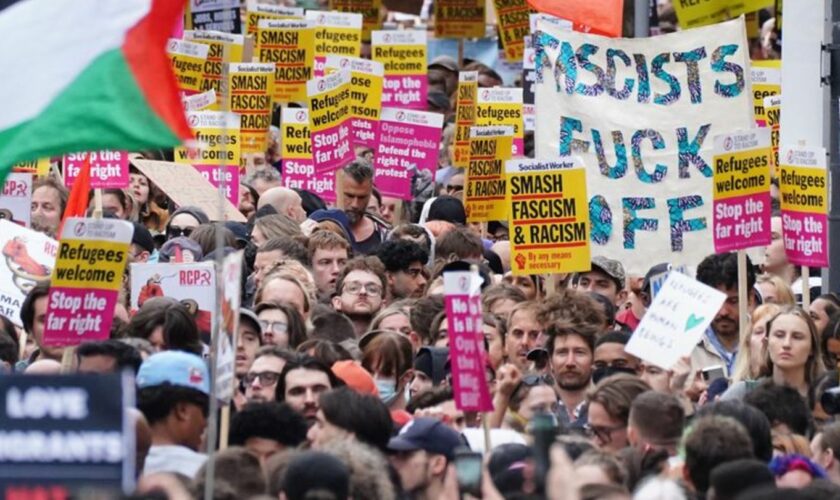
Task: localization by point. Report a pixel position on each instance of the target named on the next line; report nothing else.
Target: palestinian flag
(85, 75)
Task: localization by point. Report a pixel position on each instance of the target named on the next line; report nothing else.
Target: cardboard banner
(296, 155)
(205, 101)
(218, 149)
(675, 321)
(248, 88)
(502, 107)
(693, 14)
(513, 18)
(646, 140)
(226, 354)
(466, 348)
(191, 283)
(187, 59)
(803, 188)
(108, 169)
(766, 79)
(86, 280)
(773, 111)
(66, 436)
(28, 259)
(329, 115)
(256, 12)
(484, 185)
(224, 48)
(465, 101)
(460, 19)
(549, 216)
(366, 79)
(40, 167)
(289, 45)
(338, 33)
(742, 190)
(16, 199)
(408, 143)
(186, 186)
(218, 15)
(403, 54)
(369, 9)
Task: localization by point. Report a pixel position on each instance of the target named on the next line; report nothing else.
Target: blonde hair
(814, 366)
(294, 268)
(277, 226)
(287, 276)
(399, 307)
(742, 369)
(784, 294)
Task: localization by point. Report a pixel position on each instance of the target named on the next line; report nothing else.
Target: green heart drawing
(693, 321)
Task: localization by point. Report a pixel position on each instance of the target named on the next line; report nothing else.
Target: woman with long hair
(751, 350)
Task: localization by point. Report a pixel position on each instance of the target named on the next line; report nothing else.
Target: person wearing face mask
(610, 357)
(388, 357)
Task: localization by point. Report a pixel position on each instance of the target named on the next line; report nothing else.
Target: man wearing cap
(142, 245)
(421, 453)
(606, 277)
(173, 394)
(248, 341)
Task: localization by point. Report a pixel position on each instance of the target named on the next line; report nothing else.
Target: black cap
(315, 470)
(143, 238)
(449, 209)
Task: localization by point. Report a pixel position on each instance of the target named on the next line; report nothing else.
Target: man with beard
(360, 291)
(301, 384)
(719, 345)
(404, 261)
(49, 198)
(261, 380)
(356, 188)
(571, 348)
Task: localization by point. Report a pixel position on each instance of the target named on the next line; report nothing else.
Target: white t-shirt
(173, 458)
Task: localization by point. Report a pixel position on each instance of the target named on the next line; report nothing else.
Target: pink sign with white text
(408, 144)
(108, 169)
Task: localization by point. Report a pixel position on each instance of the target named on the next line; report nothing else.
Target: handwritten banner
(296, 155)
(408, 143)
(803, 188)
(403, 54)
(484, 191)
(642, 113)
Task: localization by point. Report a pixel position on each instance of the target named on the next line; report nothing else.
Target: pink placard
(79, 315)
(108, 169)
(213, 175)
(408, 144)
(406, 91)
(806, 238)
(300, 174)
(742, 222)
(466, 346)
(331, 148)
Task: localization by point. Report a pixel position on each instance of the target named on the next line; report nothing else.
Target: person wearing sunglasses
(184, 220)
(260, 383)
(609, 410)
(535, 393)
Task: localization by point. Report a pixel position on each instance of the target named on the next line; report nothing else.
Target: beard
(572, 381)
(42, 226)
(354, 216)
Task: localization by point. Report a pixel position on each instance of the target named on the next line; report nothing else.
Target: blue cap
(429, 434)
(176, 368)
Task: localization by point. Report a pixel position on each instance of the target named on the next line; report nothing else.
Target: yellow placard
(513, 17)
(40, 167)
(73, 265)
(484, 186)
(224, 48)
(296, 137)
(742, 173)
(460, 19)
(803, 189)
(766, 82)
(187, 59)
(548, 215)
(260, 11)
(773, 112)
(696, 13)
(218, 138)
(366, 79)
(465, 103)
(369, 9)
(502, 107)
(289, 45)
(338, 33)
(248, 94)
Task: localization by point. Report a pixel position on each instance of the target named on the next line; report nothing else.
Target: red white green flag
(86, 75)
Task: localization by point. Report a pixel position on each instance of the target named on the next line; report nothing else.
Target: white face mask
(387, 390)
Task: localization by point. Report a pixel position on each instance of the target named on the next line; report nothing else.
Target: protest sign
(186, 186)
(218, 15)
(460, 19)
(529, 117)
(742, 190)
(256, 12)
(16, 199)
(803, 190)
(529, 76)
(549, 216)
(465, 100)
(66, 436)
(484, 192)
(766, 79)
(218, 149)
(408, 143)
(773, 112)
(329, 114)
(289, 45)
(365, 96)
(38, 167)
(466, 340)
(338, 33)
(499, 107)
(675, 321)
(225, 357)
(403, 54)
(224, 48)
(108, 169)
(28, 259)
(644, 130)
(187, 59)
(248, 88)
(86, 280)
(296, 155)
(369, 9)
(696, 13)
(513, 18)
(203, 101)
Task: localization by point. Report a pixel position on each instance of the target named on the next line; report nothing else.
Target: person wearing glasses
(184, 220)
(281, 325)
(260, 383)
(609, 410)
(360, 291)
(404, 265)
